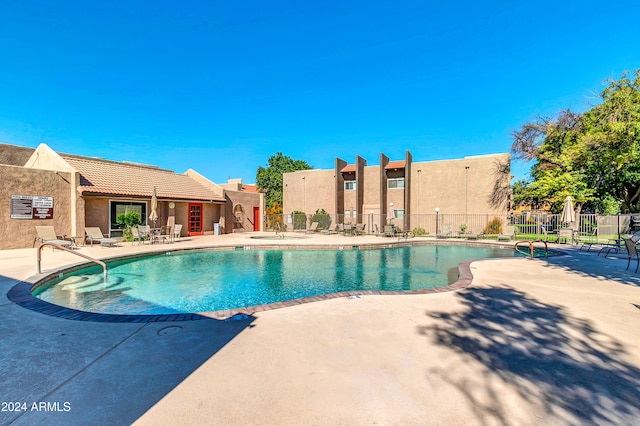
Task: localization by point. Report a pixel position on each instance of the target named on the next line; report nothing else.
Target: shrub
(493, 227)
(299, 219)
(274, 215)
(463, 228)
(126, 222)
(323, 218)
(419, 231)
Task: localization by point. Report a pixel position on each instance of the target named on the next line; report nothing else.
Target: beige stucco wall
(450, 187)
(248, 200)
(445, 184)
(97, 213)
(315, 191)
(20, 233)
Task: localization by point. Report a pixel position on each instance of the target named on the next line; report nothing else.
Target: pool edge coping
(21, 293)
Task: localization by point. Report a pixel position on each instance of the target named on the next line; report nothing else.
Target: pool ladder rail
(531, 251)
(59, 247)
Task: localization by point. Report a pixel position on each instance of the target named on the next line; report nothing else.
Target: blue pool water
(218, 280)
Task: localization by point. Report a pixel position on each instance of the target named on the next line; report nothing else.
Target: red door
(195, 219)
(256, 218)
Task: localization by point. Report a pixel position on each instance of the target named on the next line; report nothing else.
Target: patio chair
(136, 235)
(632, 252)
(165, 234)
(312, 228)
(94, 234)
(145, 232)
(389, 231)
(359, 229)
(177, 229)
(47, 234)
(545, 233)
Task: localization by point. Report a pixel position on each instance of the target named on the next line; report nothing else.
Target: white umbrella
(154, 207)
(568, 214)
(391, 214)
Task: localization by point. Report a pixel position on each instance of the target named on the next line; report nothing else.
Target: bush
(126, 222)
(494, 227)
(323, 219)
(419, 231)
(274, 216)
(299, 220)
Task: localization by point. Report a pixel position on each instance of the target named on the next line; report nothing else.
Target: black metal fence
(524, 226)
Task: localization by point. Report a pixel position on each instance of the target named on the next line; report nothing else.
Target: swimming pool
(206, 281)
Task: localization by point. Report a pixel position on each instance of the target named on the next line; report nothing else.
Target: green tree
(589, 156)
(269, 178)
(126, 221)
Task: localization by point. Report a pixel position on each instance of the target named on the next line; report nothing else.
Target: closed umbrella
(154, 207)
(391, 213)
(568, 215)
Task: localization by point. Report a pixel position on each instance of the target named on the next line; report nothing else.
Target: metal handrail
(531, 253)
(59, 247)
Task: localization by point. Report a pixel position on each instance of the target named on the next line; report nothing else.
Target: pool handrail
(531, 253)
(59, 247)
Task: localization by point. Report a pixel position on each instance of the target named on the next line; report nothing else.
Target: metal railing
(59, 247)
(529, 226)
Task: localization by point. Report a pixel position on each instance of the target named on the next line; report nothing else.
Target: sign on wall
(31, 207)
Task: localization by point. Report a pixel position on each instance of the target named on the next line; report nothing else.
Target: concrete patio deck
(546, 341)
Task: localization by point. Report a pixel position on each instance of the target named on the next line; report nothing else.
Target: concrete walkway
(528, 342)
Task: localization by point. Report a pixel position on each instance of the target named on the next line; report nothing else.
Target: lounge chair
(94, 234)
(312, 228)
(445, 233)
(46, 234)
(474, 236)
(333, 229)
(359, 229)
(508, 235)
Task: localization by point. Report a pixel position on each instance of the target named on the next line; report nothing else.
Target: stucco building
(403, 188)
(75, 191)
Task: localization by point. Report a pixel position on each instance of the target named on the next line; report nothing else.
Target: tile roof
(99, 176)
(395, 165)
(348, 168)
(250, 188)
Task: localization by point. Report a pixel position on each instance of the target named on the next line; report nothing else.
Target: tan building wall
(454, 188)
(308, 191)
(457, 186)
(97, 213)
(20, 233)
(240, 209)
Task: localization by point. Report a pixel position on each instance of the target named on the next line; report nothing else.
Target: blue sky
(220, 86)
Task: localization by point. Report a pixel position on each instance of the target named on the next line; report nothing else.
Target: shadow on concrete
(106, 373)
(561, 363)
(589, 264)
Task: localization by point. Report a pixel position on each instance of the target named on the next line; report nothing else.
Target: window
(395, 183)
(350, 185)
(118, 208)
(399, 213)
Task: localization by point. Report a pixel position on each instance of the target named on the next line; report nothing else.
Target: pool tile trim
(20, 294)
